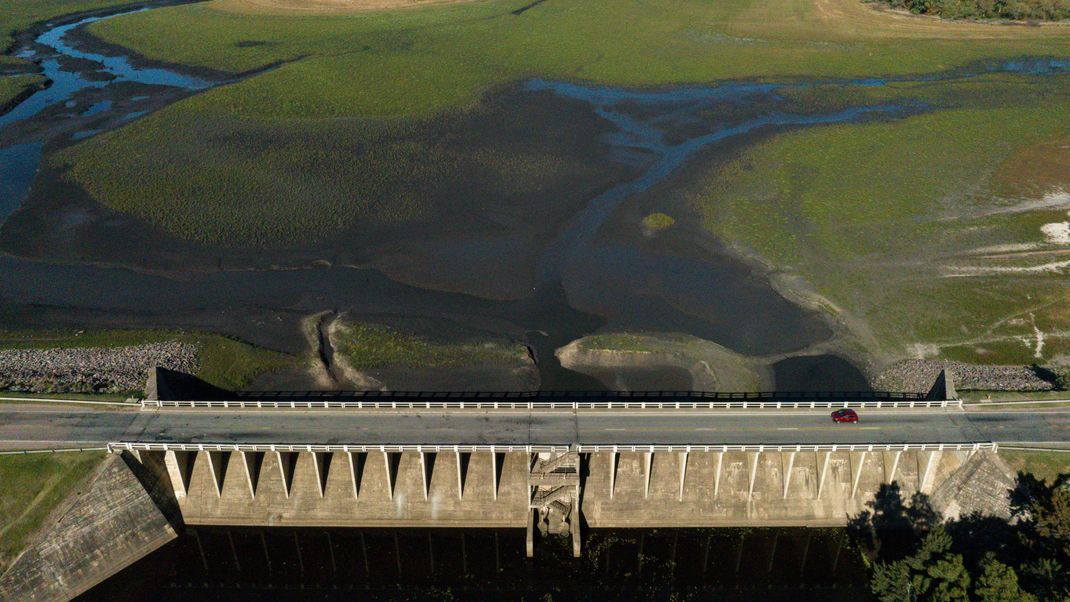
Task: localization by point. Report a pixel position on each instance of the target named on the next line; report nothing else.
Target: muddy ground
(473, 264)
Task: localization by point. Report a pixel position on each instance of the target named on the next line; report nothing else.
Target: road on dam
(40, 426)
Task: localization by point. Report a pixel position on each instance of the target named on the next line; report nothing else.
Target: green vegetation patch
(33, 485)
(903, 223)
(222, 361)
(632, 343)
(14, 86)
(369, 346)
(339, 119)
(656, 222)
(447, 54)
(1046, 465)
(1018, 10)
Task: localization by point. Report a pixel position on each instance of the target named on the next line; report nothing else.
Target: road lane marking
(787, 428)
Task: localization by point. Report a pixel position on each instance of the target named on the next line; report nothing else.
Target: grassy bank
(371, 346)
(224, 362)
(1043, 465)
(33, 485)
(13, 86)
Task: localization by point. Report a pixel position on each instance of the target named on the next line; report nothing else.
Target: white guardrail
(581, 448)
(548, 405)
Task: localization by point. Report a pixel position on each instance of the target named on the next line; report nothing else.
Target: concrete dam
(547, 464)
(556, 491)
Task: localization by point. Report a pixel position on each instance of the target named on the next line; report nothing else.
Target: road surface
(37, 426)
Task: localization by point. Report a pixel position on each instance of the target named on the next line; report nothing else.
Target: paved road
(24, 427)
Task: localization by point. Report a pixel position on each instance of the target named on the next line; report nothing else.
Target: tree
(931, 573)
(891, 582)
(999, 583)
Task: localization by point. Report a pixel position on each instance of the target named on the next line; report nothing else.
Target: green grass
(369, 346)
(619, 342)
(236, 165)
(14, 85)
(33, 485)
(656, 222)
(1017, 396)
(444, 56)
(885, 219)
(224, 362)
(1043, 465)
(17, 15)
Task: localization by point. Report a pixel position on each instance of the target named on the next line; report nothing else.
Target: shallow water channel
(589, 278)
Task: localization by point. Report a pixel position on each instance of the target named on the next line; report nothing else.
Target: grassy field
(370, 346)
(926, 228)
(224, 362)
(33, 485)
(1043, 465)
(238, 162)
(904, 226)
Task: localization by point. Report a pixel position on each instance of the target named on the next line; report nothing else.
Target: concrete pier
(549, 492)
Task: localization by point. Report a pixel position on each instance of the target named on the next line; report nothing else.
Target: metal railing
(552, 396)
(547, 405)
(581, 448)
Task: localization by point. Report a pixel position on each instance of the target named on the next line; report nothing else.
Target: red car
(845, 415)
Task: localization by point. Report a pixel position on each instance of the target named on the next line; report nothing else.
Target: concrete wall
(98, 534)
(720, 489)
(627, 489)
(308, 489)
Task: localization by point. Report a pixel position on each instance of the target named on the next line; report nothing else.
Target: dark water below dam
(589, 276)
(216, 563)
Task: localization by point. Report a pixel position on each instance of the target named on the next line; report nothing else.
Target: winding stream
(588, 279)
(51, 46)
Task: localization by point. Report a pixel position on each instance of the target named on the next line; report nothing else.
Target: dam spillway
(555, 492)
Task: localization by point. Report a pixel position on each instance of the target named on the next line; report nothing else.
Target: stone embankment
(91, 369)
(918, 375)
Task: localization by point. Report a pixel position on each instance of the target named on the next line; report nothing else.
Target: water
(18, 166)
(664, 109)
(108, 71)
(414, 564)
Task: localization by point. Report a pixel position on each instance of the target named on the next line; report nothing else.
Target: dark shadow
(527, 7)
(1027, 491)
(1032, 542)
(891, 528)
(1046, 375)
